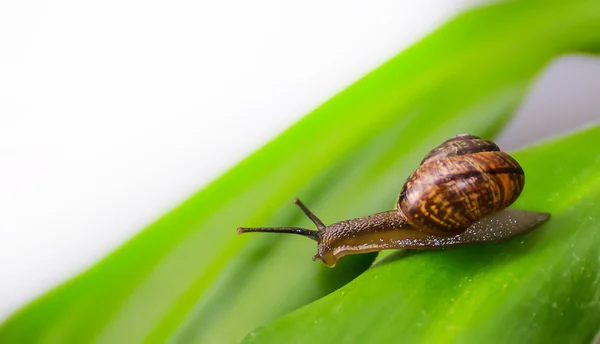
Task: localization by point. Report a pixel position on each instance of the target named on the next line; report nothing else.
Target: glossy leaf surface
(541, 287)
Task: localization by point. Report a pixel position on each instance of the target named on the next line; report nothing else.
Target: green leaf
(542, 287)
(188, 277)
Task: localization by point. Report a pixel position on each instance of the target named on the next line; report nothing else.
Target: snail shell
(459, 182)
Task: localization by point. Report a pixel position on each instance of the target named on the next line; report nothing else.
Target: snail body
(458, 195)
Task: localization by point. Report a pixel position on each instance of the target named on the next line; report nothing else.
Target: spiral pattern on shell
(458, 183)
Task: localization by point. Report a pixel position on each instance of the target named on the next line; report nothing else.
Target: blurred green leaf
(189, 277)
(542, 287)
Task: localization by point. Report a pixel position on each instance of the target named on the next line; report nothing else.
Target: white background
(113, 112)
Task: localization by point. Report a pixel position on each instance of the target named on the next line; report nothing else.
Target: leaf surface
(541, 287)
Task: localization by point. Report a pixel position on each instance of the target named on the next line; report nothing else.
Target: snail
(458, 195)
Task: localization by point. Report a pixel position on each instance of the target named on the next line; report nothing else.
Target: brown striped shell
(459, 182)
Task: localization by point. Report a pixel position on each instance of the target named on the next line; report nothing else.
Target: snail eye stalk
(310, 215)
(314, 235)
